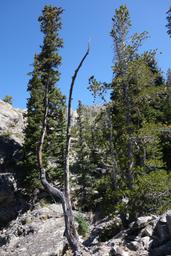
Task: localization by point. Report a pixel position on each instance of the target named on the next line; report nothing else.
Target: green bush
(8, 99)
(150, 195)
(83, 225)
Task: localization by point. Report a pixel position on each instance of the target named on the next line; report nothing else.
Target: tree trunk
(65, 198)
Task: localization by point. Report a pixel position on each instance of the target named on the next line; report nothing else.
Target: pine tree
(45, 75)
(169, 22)
(83, 165)
(125, 52)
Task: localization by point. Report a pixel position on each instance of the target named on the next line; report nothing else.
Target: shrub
(83, 225)
(8, 99)
(150, 195)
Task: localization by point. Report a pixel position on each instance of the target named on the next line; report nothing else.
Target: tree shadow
(161, 244)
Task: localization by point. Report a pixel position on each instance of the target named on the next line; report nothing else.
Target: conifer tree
(89, 155)
(83, 153)
(169, 22)
(46, 73)
(124, 53)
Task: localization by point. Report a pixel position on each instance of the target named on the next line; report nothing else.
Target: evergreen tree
(83, 164)
(169, 22)
(86, 162)
(45, 75)
(121, 96)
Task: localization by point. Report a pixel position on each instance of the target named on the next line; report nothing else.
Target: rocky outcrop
(38, 232)
(148, 236)
(10, 154)
(12, 122)
(12, 201)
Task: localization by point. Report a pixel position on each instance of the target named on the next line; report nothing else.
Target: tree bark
(65, 198)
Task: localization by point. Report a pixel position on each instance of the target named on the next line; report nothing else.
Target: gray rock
(10, 153)
(147, 231)
(7, 198)
(133, 246)
(147, 236)
(12, 122)
(162, 219)
(119, 251)
(38, 232)
(160, 232)
(168, 218)
(146, 242)
(143, 221)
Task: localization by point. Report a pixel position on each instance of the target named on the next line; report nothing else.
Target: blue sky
(82, 20)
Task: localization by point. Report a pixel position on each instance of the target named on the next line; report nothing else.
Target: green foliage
(85, 165)
(117, 149)
(8, 99)
(122, 149)
(150, 195)
(45, 75)
(169, 22)
(83, 225)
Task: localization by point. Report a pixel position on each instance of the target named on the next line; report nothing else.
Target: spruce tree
(45, 75)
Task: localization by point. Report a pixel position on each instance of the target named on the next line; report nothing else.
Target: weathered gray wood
(70, 230)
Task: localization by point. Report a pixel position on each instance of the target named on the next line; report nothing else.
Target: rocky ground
(35, 233)
(39, 232)
(147, 236)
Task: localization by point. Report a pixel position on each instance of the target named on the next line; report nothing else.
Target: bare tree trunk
(70, 230)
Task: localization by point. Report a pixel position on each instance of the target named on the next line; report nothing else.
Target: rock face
(38, 232)
(11, 138)
(10, 153)
(12, 122)
(7, 198)
(11, 200)
(148, 236)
